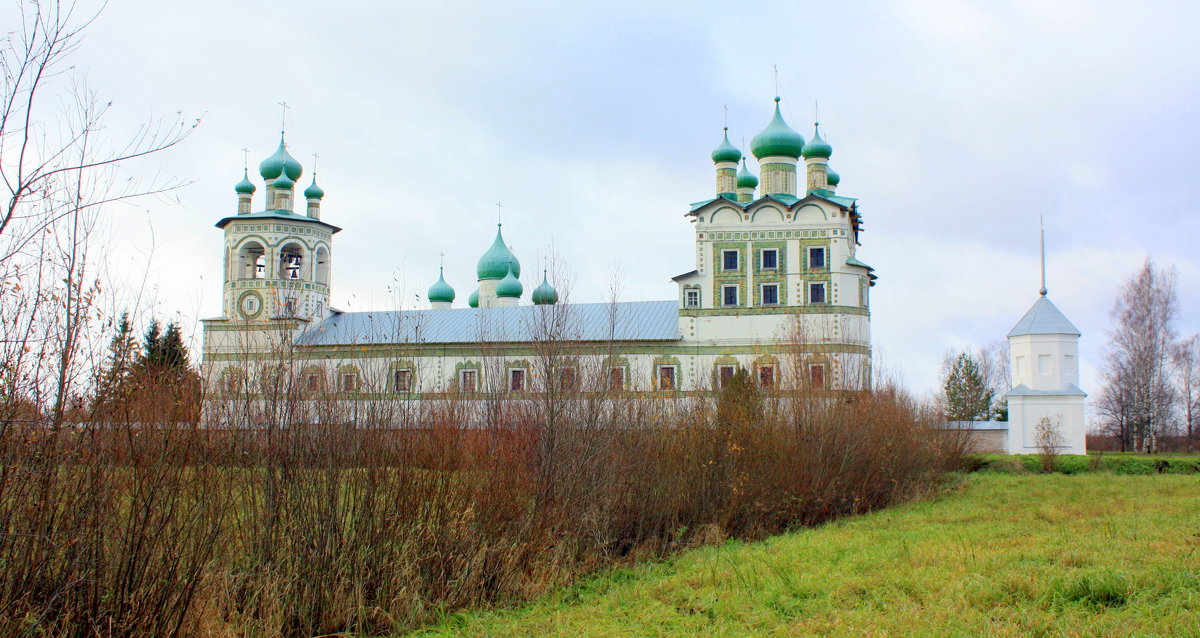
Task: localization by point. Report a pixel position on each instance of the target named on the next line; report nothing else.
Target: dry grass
(153, 526)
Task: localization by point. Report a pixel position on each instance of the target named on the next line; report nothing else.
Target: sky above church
(956, 124)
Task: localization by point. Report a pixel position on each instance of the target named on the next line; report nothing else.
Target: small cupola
(509, 290)
(245, 192)
(816, 159)
(725, 156)
(832, 178)
(726, 152)
(746, 183)
(441, 294)
(314, 194)
(544, 294)
(473, 299)
(817, 147)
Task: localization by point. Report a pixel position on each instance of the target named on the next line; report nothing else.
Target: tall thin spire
(283, 118)
(1042, 228)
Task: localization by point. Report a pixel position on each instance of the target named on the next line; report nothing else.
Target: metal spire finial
(245, 159)
(1042, 228)
(498, 211)
(315, 158)
(283, 119)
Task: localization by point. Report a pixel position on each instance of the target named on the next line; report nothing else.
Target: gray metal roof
(1044, 318)
(622, 321)
(1023, 390)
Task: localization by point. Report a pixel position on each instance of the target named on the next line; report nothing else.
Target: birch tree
(1136, 400)
(1186, 360)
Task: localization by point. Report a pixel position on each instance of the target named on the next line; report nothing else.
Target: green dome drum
(245, 187)
(510, 286)
(817, 147)
(726, 152)
(494, 264)
(746, 179)
(314, 191)
(281, 163)
(778, 139)
(441, 291)
(544, 294)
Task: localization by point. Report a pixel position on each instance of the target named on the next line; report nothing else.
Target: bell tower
(277, 262)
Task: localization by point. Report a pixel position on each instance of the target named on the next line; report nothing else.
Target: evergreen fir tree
(119, 367)
(967, 396)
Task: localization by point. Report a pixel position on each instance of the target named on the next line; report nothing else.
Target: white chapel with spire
(1044, 351)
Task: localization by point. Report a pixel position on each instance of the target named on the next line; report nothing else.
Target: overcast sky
(956, 124)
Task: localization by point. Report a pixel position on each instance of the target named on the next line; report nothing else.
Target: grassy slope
(1004, 555)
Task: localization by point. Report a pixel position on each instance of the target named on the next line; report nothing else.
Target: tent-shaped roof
(1044, 318)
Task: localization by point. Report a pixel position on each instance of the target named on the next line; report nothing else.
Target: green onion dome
(245, 187)
(279, 164)
(831, 177)
(440, 291)
(545, 293)
(494, 263)
(817, 147)
(726, 152)
(778, 139)
(510, 286)
(283, 182)
(746, 179)
(473, 299)
(314, 191)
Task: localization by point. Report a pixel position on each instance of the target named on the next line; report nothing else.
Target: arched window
(323, 266)
(251, 261)
(291, 259)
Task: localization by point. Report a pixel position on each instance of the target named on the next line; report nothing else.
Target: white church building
(776, 256)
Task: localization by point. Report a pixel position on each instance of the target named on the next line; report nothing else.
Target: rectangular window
(312, 382)
(770, 294)
(766, 376)
(468, 380)
(725, 375)
(729, 260)
(729, 295)
(666, 377)
(816, 293)
(1043, 364)
(816, 375)
(816, 257)
(348, 382)
(616, 379)
(1020, 365)
(691, 298)
(516, 380)
(402, 380)
(770, 259)
(568, 379)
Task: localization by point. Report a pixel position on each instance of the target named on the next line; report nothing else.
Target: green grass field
(1001, 555)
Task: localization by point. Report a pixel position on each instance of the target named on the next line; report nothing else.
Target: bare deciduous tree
(1048, 437)
(1136, 401)
(43, 147)
(1186, 361)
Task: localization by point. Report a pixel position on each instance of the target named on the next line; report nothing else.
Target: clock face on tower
(250, 304)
